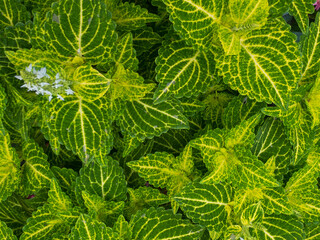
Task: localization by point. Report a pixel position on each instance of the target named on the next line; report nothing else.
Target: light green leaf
(279, 227)
(251, 172)
(239, 109)
(23, 57)
(183, 71)
(253, 214)
(158, 169)
(12, 12)
(6, 232)
(126, 54)
(310, 48)
(103, 177)
(89, 83)
(35, 171)
(143, 119)
(312, 101)
(262, 71)
(121, 227)
(276, 201)
(81, 28)
(42, 225)
(9, 166)
(206, 204)
(131, 17)
(58, 200)
(88, 228)
(156, 224)
(128, 85)
(242, 135)
(300, 10)
(3, 101)
(196, 20)
(83, 131)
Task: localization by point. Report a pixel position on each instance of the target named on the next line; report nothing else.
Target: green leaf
(121, 227)
(66, 177)
(279, 227)
(276, 201)
(83, 131)
(206, 204)
(90, 84)
(262, 71)
(196, 20)
(144, 39)
(12, 12)
(35, 171)
(183, 71)
(300, 10)
(126, 54)
(253, 214)
(131, 17)
(239, 109)
(156, 224)
(9, 166)
(88, 228)
(146, 196)
(310, 48)
(313, 231)
(81, 28)
(143, 119)
(6, 232)
(58, 200)
(42, 225)
(278, 7)
(103, 177)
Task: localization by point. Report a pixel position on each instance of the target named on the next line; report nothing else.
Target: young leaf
(81, 28)
(183, 71)
(88, 228)
(57, 199)
(144, 39)
(252, 215)
(90, 84)
(206, 204)
(66, 177)
(121, 227)
(156, 224)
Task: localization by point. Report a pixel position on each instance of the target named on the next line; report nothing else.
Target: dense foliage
(159, 119)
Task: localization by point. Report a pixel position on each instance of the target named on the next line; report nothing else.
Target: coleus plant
(161, 119)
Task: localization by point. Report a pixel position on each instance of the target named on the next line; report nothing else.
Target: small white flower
(57, 76)
(28, 69)
(58, 85)
(50, 97)
(26, 85)
(19, 77)
(33, 88)
(57, 81)
(40, 91)
(69, 91)
(41, 73)
(44, 84)
(47, 92)
(61, 98)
